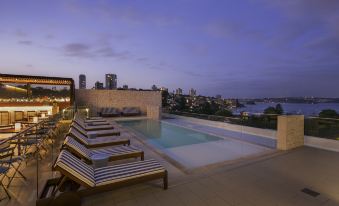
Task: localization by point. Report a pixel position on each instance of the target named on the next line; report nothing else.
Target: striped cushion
(80, 129)
(86, 141)
(131, 110)
(98, 127)
(84, 126)
(79, 136)
(103, 140)
(80, 170)
(116, 150)
(79, 148)
(122, 172)
(99, 133)
(80, 123)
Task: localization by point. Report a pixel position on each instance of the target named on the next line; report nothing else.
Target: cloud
(142, 59)
(25, 42)
(131, 13)
(110, 52)
(304, 19)
(49, 36)
(20, 33)
(305, 7)
(199, 49)
(77, 50)
(86, 51)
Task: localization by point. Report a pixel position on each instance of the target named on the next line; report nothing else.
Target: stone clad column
(290, 132)
(154, 112)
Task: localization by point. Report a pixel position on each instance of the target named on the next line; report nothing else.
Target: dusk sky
(236, 48)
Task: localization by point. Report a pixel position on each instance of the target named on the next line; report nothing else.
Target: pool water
(166, 135)
(191, 148)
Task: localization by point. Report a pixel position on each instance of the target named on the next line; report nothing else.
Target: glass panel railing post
(37, 161)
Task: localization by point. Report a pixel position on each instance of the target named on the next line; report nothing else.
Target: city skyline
(237, 49)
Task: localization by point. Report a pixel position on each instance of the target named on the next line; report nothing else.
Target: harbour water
(289, 108)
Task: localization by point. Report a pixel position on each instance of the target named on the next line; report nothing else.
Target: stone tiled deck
(274, 179)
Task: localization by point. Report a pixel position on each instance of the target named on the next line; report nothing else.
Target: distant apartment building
(218, 96)
(99, 85)
(125, 86)
(111, 81)
(178, 91)
(164, 89)
(192, 92)
(82, 81)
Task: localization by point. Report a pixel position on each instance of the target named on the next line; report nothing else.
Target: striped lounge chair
(92, 127)
(91, 122)
(89, 118)
(98, 133)
(130, 111)
(98, 142)
(110, 112)
(105, 178)
(95, 118)
(113, 153)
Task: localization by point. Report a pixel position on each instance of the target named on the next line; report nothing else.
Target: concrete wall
(290, 132)
(96, 99)
(154, 112)
(322, 143)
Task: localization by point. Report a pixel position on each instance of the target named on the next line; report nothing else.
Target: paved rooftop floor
(273, 179)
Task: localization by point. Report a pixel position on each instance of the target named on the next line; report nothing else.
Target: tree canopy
(328, 113)
(274, 110)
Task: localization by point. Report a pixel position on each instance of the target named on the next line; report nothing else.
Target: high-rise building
(82, 81)
(178, 91)
(111, 81)
(99, 85)
(125, 86)
(192, 92)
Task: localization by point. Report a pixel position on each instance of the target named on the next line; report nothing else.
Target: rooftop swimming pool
(189, 147)
(166, 135)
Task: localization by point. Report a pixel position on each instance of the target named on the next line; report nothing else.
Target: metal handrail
(27, 129)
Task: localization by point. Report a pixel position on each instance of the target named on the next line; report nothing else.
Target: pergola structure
(27, 79)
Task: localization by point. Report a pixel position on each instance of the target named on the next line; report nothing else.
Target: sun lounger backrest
(79, 136)
(80, 123)
(75, 169)
(131, 110)
(77, 147)
(105, 110)
(79, 128)
(116, 111)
